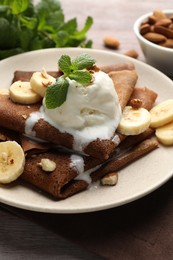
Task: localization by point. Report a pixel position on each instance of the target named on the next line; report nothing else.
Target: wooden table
(30, 235)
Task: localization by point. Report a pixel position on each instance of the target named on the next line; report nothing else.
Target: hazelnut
(47, 165)
(110, 179)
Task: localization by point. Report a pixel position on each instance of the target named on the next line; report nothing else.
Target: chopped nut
(44, 73)
(24, 116)
(136, 103)
(47, 165)
(93, 69)
(2, 137)
(46, 84)
(110, 179)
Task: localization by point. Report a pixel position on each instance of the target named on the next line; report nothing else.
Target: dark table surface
(139, 230)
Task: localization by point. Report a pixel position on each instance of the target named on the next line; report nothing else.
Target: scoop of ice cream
(87, 105)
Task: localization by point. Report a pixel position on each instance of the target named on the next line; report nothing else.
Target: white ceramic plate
(135, 181)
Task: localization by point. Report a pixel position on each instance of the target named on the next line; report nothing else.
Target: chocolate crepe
(26, 75)
(65, 180)
(14, 116)
(146, 95)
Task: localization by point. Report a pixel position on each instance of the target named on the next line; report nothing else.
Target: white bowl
(157, 56)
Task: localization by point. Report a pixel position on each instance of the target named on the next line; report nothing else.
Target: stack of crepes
(75, 170)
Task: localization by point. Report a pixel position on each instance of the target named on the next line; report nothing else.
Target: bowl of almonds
(154, 32)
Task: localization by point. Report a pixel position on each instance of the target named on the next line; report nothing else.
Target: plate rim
(101, 207)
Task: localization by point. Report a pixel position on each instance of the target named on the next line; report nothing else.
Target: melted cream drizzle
(80, 138)
(30, 122)
(78, 163)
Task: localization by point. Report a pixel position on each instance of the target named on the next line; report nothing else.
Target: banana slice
(134, 121)
(4, 91)
(40, 81)
(22, 93)
(12, 161)
(162, 113)
(165, 134)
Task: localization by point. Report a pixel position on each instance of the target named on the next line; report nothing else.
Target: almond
(164, 31)
(171, 18)
(164, 22)
(145, 28)
(158, 28)
(171, 26)
(159, 15)
(152, 19)
(155, 37)
(168, 43)
(131, 53)
(111, 42)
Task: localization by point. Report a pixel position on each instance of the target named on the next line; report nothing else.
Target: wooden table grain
(22, 238)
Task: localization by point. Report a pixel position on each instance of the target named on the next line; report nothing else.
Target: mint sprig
(57, 93)
(33, 26)
(83, 61)
(76, 69)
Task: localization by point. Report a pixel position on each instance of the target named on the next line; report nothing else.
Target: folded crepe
(68, 178)
(9, 135)
(74, 172)
(146, 95)
(14, 116)
(26, 75)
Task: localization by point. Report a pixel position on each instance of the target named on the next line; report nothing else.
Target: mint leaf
(50, 15)
(87, 26)
(30, 23)
(75, 70)
(17, 6)
(56, 94)
(44, 23)
(87, 44)
(62, 38)
(65, 64)
(70, 26)
(9, 32)
(81, 76)
(83, 61)
(40, 42)
(81, 34)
